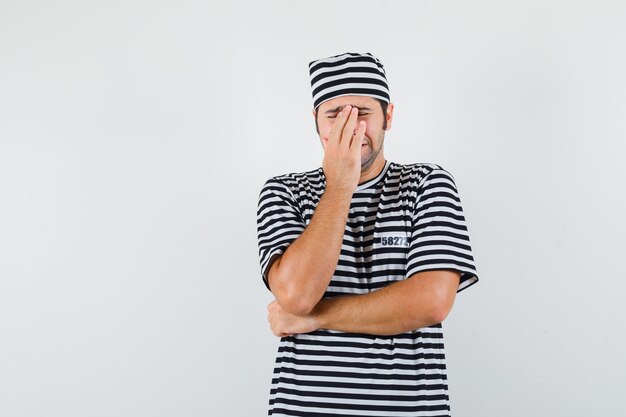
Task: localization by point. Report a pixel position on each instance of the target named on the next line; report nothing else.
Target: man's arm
(422, 300)
(299, 277)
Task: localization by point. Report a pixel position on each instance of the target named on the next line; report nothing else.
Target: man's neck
(374, 169)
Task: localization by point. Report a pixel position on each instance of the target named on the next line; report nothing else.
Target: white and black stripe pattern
(407, 220)
(348, 74)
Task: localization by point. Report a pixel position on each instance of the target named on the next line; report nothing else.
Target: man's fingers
(358, 137)
(338, 127)
(348, 129)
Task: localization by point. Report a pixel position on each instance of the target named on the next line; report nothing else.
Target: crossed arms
(299, 277)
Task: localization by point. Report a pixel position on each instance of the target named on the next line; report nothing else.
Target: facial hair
(368, 159)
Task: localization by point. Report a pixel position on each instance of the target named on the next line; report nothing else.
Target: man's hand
(287, 324)
(342, 151)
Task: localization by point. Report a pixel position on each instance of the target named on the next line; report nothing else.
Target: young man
(364, 258)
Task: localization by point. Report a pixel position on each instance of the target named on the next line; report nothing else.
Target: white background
(135, 137)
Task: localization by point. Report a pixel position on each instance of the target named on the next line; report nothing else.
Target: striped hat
(348, 74)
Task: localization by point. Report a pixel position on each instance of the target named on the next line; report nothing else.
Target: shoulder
(418, 172)
(292, 178)
(294, 181)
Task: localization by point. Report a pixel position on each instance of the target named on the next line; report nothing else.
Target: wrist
(318, 314)
(339, 191)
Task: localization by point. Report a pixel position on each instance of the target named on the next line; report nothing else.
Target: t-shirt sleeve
(439, 235)
(279, 222)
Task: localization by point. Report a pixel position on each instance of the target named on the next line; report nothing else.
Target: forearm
(301, 275)
(400, 307)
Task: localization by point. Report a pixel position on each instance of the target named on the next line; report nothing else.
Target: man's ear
(389, 115)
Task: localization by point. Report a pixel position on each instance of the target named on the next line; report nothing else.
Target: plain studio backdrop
(135, 137)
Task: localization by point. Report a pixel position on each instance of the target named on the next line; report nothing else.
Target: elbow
(293, 301)
(442, 299)
(438, 314)
(296, 305)
(439, 308)
(436, 294)
(291, 297)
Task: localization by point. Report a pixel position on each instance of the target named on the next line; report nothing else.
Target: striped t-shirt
(407, 219)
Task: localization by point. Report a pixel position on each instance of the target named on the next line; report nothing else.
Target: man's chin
(366, 163)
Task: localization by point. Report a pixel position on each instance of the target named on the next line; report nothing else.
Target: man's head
(358, 80)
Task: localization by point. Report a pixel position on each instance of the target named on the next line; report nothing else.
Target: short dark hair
(383, 106)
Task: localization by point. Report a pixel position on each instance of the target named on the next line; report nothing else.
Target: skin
(350, 130)
(369, 113)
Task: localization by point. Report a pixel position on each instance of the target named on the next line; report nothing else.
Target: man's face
(370, 111)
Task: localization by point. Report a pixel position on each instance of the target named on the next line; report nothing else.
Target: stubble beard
(368, 159)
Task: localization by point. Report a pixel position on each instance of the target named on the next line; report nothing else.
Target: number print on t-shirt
(394, 241)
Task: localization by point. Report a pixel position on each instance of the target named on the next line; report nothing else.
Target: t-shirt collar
(376, 179)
